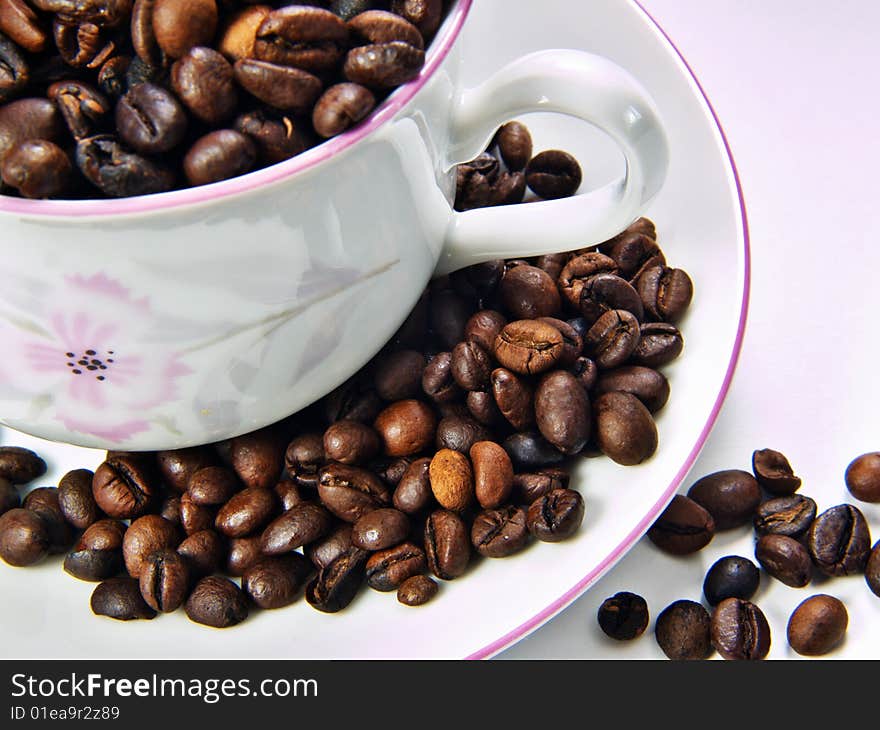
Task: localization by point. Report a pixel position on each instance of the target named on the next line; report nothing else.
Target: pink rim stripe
(575, 591)
(254, 180)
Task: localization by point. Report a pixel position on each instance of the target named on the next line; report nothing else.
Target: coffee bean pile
(113, 98)
(793, 544)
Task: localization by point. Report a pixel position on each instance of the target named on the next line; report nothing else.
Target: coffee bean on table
(528, 347)
(388, 569)
(731, 497)
(863, 477)
(413, 493)
(872, 570)
(659, 344)
(337, 584)
(299, 526)
(176, 467)
(498, 533)
(682, 631)
(633, 253)
(514, 397)
(303, 457)
(612, 339)
(731, 577)
(276, 582)
(790, 516)
(774, 473)
(76, 500)
(246, 512)
(556, 516)
(529, 487)
(216, 601)
(417, 590)
(9, 497)
(350, 442)
(740, 630)
(124, 487)
(514, 145)
(380, 529)
(470, 366)
(785, 559)
(324, 551)
(145, 536)
(120, 599)
(447, 544)
(624, 616)
(665, 292)
(212, 485)
(97, 555)
(44, 501)
(493, 474)
(554, 174)
(165, 580)
(349, 492)
(606, 292)
(406, 427)
(19, 465)
(649, 386)
(577, 272)
(205, 553)
(625, 430)
(840, 541)
(684, 527)
(562, 411)
(24, 537)
(437, 381)
(817, 625)
(452, 480)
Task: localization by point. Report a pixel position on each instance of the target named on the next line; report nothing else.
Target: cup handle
(579, 84)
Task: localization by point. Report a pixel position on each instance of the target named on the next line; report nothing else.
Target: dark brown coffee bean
(552, 263)
(612, 339)
(562, 411)
(37, 169)
(452, 480)
(634, 253)
(684, 527)
(731, 577)
(624, 616)
(82, 44)
(246, 512)
(180, 25)
(498, 533)
(19, 465)
(863, 477)
(239, 35)
(351, 442)
(447, 544)
(406, 427)
(665, 292)
(577, 272)
(282, 87)
(176, 467)
(470, 366)
(350, 492)
(150, 119)
(118, 173)
(554, 174)
(460, 433)
(424, 14)
(9, 497)
(437, 381)
(303, 37)
(789, 516)
(212, 485)
(218, 156)
(14, 72)
(482, 408)
(529, 292)
(22, 25)
(217, 602)
(111, 77)
(774, 473)
(483, 327)
(585, 370)
(243, 552)
(528, 347)
(514, 398)
(683, 631)
(299, 526)
(120, 599)
(76, 499)
(572, 342)
(143, 37)
(527, 488)
(606, 292)
(514, 145)
(658, 345)
(26, 119)
(474, 183)
(731, 496)
(413, 493)
(388, 569)
(648, 385)
(817, 625)
(165, 580)
(740, 630)
(872, 570)
(417, 590)
(44, 501)
(508, 189)
(449, 314)
(145, 536)
(195, 518)
(383, 66)
(83, 107)
(840, 541)
(391, 470)
(337, 584)
(204, 551)
(785, 559)
(324, 551)
(380, 529)
(303, 457)
(493, 474)
(94, 565)
(556, 516)
(276, 582)
(530, 451)
(24, 537)
(258, 458)
(103, 535)
(625, 430)
(289, 494)
(276, 139)
(352, 400)
(203, 81)
(398, 376)
(124, 487)
(380, 26)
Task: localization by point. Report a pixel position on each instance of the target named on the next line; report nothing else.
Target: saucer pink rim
(635, 535)
(260, 178)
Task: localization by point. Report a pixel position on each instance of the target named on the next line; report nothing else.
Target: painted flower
(90, 360)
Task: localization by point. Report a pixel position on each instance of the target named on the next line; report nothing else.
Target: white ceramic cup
(192, 316)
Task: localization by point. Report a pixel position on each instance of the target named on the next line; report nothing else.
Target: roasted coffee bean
(112, 76)
(863, 477)
(648, 385)
(585, 370)
(624, 616)
(176, 467)
(556, 516)
(449, 314)
(347, 9)
(19, 465)
(22, 25)
(383, 66)
(531, 451)
(817, 625)
(625, 430)
(180, 25)
(406, 427)
(554, 174)
(350, 492)
(872, 570)
(659, 344)
(44, 501)
(493, 474)
(123, 487)
(218, 156)
(572, 342)
(351, 442)
(145, 536)
(527, 488)
(731, 497)
(24, 537)
(391, 471)
(577, 272)
(288, 89)
(665, 292)
(194, 517)
(14, 71)
(774, 473)
(276, 582)
(303, 457)
(482, 407)
(380, 26)
(498, 533)
(205, 552)
(514, 398)
(633, 253)
(37, 169)
(562, 411)
(447, 544)
(528, 347)
(508, 189)
(437, 380)
(514, 145)
(324, 551)
(789, 516)
(612, 339)
(470, 366)
(246, 512)
(104, 534)
(9, 497)
(83, 107)
(276, 139)
(606, 292)
(258, 458)
(424, 14)
(165, 580)
(731, 577)
(303, 37)
(683, 631)
(388, 569)
(203, 81)
(118, 173)
(840, 541)
(552, 263)
(352, 400)
(26, 119)
(239, 35)
(143, 36)
(150, 119)
(460, 433)
(785, 559)
(289, 494)
(120, 599)
(473, 189)
(337, 584)
(417, 590)
(299, 526)
(740, 630)
(413, 493)
(684, 527)
(97, 563)
(76, 499)
(398, 376)
(217, 602)
(452, 480)
(212, 485)
(243, 552)
(528, 292)
(380, 529)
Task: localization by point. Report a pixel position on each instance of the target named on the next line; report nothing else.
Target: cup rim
(214, 192)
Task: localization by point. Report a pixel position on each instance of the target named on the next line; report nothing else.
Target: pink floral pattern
(94, 366)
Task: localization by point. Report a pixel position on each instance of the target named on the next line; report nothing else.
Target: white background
(794, 84)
